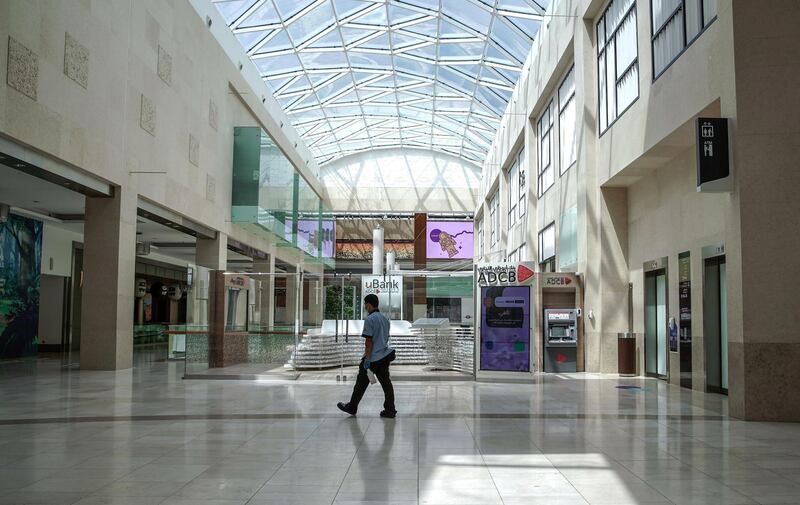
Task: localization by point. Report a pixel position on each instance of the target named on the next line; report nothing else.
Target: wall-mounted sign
(499, 274)
(389, 290)
(237, 281)
(713, 156)
(557, 280)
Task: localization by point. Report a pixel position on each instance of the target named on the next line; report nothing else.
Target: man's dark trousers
(381, 370)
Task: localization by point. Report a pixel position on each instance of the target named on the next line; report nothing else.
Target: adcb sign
(504, 273)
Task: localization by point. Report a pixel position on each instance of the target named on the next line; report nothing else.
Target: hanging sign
(713, 156)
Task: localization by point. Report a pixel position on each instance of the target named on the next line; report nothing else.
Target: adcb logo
(523, 273)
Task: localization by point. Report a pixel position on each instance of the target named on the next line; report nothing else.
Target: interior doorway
(655, 312)
(715, 324)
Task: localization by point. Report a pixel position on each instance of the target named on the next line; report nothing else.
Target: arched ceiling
(355, 75)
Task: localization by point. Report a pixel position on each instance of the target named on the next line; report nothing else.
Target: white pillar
(377, 251)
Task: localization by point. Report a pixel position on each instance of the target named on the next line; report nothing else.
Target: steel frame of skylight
(456, 109)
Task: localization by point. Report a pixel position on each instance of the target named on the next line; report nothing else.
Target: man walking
(377, 357)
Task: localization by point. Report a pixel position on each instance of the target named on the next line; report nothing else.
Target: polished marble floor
(145, 436)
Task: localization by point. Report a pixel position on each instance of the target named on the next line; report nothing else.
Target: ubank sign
(502, 274)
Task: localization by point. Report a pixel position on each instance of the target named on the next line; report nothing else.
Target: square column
(266, 296)
(109, 267)
(212, 252)
(763, 309)
(294, 299)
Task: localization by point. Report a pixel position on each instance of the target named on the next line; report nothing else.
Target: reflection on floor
(145, 436)
(249, 371)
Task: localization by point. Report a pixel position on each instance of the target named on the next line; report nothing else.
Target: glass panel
(266, 15)
(311, 23)
(568, 240)
(650, 325)
(709, 11)
(568, 136)
(567, 89)
(547, 243)
(626, 44)
(628, 88)
(662, 9)
(510, 41)
(512, 181)
(484, 36)
(668, 44)
(603, 93)
(610, 80)
(693, 22)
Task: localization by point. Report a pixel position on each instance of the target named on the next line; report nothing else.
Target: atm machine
(560, 340)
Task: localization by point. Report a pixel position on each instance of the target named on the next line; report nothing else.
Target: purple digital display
(308, 238)
(450, 240)
(505, 329)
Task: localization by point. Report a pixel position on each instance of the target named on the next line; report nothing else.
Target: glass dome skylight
(354, 75)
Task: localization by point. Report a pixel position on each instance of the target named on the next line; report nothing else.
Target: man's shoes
(344, 407)
(388, 415)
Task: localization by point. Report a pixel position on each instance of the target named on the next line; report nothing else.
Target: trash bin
(626, 354)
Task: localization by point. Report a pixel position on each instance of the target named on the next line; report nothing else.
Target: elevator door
(715, 324)
(655, 346)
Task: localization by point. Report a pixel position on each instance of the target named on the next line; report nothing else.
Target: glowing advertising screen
(307, 236)
(450, 240)
(505, 328)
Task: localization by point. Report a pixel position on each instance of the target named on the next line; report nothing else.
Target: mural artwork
(20, 267)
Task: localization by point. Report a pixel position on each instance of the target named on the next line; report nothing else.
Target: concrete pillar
(109, 266)
(266, 293)
(212, 252)
(377, 251)
(762, 266)
(294, 297)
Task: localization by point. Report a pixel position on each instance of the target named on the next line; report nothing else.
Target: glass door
(656, 324)
(715, 324)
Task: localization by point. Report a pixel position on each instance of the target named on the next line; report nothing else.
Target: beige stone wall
(667, 216)
(618, 181)
(137, 93)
